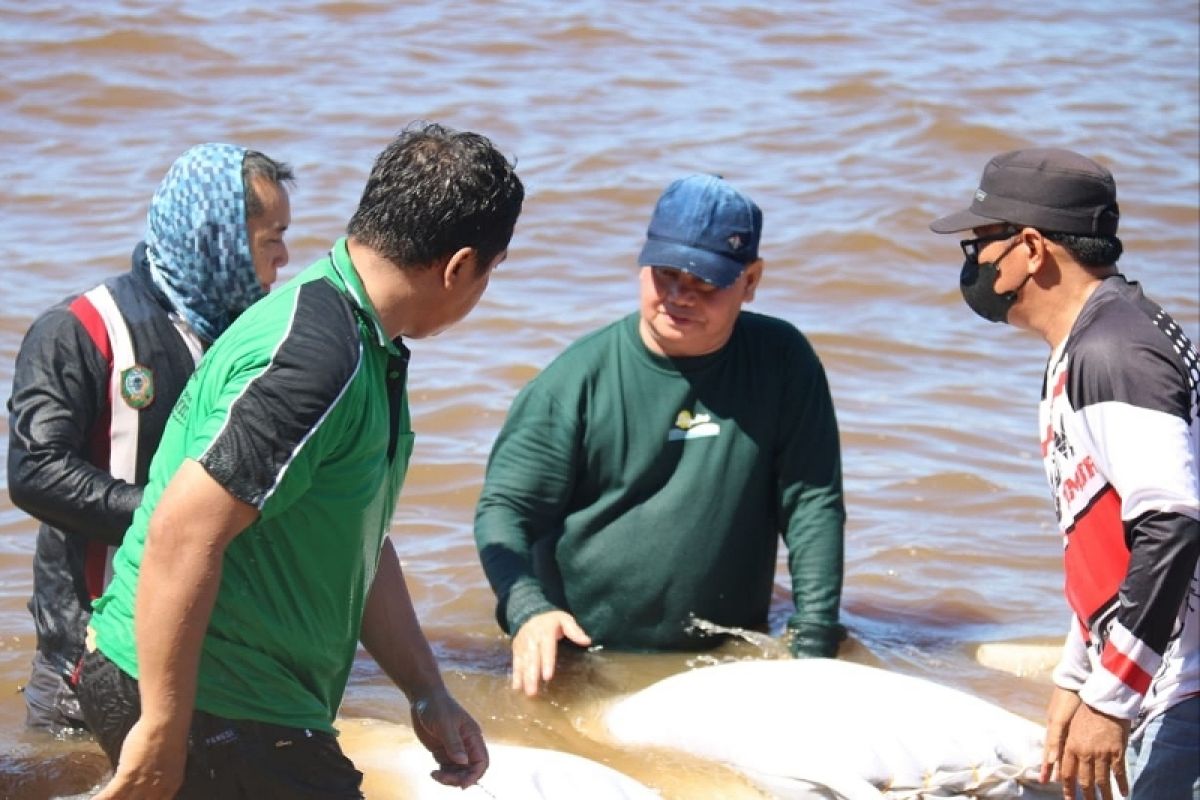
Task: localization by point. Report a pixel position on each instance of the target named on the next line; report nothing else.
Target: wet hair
(435, 190)
(1088, 251)
(256, 163)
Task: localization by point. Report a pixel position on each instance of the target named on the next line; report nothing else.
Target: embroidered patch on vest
(137, 386)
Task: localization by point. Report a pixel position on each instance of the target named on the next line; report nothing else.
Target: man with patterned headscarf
(98, 373)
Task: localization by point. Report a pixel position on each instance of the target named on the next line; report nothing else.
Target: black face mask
(976, 283)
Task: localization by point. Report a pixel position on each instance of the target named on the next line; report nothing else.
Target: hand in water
(453, 737)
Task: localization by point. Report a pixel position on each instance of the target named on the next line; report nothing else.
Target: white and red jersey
(1120, 434)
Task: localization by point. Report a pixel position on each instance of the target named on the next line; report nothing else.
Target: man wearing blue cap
(98, 374)
(642, 481)
(1120, 432)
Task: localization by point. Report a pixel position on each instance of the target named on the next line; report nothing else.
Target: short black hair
(256, 163)
(435, 190)
(1087, 250)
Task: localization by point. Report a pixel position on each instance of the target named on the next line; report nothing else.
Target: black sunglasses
(971, 247)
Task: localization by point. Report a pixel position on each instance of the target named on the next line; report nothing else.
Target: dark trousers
(232, 759)
(50, 701)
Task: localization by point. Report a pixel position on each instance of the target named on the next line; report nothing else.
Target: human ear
(459, 266)
(1035, 249)
(753, 273)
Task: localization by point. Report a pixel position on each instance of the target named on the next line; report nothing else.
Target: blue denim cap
(703, 226)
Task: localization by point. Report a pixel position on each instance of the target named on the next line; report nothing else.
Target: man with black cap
(1120, 423)
(642, 481)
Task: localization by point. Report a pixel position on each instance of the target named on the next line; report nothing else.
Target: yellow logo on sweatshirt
(692, 426)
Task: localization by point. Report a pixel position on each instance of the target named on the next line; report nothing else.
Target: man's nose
(681, 292)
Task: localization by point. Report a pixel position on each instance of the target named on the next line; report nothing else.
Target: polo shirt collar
(339, 258)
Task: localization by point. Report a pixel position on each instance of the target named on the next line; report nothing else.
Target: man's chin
(670, 333)
(682, 323)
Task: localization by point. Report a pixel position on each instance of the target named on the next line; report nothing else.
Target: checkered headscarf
(196, 239)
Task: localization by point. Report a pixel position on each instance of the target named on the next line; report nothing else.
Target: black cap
(1046, 188)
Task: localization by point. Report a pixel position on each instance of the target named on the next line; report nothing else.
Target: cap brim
(963, 220)
(705, 265)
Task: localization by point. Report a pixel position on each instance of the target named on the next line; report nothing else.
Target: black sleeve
(60, 390)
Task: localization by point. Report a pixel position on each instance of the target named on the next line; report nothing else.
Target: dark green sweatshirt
(638, 491)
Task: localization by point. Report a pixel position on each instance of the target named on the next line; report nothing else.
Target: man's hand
(535, 648)
(1094, 752)
(453, 737)
(1063, 705)
(151, 765)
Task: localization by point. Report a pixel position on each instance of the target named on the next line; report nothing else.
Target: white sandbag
(1035, 660)
(857, 730)
(401, 770)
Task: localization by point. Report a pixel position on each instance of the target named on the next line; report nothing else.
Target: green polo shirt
(301, 410)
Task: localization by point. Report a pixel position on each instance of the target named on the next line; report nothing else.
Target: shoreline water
(852, 127)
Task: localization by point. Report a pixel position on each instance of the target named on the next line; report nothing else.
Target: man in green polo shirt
(258, 559)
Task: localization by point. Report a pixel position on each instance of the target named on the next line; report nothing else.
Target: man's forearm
(177, 589)
(816, 554)
(392, 634)
(68, 493)
(1161, 566)
(815, 562)
(505, 543)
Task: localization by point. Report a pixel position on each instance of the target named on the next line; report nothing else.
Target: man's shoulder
(309, 327)
(64, 320)
(312, 309)
(56, 315)
(765, 325)
(125, 290)
(603, 337)
(1117, 324)
(1122, 349)
(590, 351)
(774, 337)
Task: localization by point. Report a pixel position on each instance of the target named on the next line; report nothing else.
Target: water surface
(852, 125)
